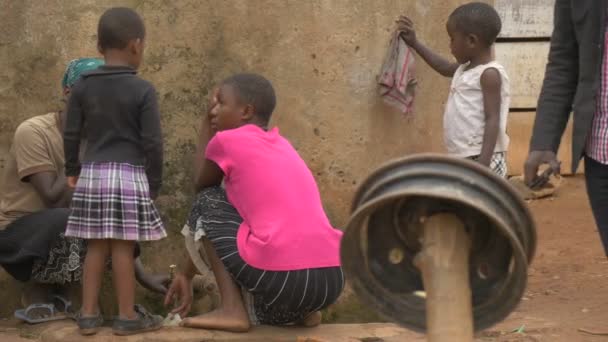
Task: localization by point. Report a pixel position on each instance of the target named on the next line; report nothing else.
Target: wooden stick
(444, 263)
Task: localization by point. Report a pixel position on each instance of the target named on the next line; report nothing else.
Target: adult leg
(28, 240)
(300, 297)
(231, 314)
(64, 270)
(34, 250)
(94, 266)
(596, 176)
(213, 222)
(123, 269)
(71, 291)
(276, 297)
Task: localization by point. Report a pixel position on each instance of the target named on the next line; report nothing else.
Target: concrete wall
(322, 56)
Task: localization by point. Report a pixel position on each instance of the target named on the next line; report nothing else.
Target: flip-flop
(53, 314)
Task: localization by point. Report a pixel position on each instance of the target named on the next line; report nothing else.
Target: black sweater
(118, 114)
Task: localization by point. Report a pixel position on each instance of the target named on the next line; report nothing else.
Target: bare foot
(313, 320)
(219, 319)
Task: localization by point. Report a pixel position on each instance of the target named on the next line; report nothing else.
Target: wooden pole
(444, 263)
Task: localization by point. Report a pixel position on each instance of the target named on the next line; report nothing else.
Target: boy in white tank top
(475, 118)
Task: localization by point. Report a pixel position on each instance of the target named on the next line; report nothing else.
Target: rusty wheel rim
(507, 214)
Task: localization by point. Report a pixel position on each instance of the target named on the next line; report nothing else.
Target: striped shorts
(112, 201)
(271, 297)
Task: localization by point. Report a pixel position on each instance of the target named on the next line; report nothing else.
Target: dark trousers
(596, 177)
(29, 238)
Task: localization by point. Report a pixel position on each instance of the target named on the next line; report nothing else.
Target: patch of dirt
(13, 331)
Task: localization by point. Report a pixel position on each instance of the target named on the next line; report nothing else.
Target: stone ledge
(68, 332)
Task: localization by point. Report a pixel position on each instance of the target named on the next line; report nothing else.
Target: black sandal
(89, 325)
(145, 322)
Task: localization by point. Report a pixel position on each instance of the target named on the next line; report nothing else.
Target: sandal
(63, 305)
(145, 322)
(40, 313)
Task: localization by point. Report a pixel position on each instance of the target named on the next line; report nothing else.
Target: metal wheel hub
(389, 210)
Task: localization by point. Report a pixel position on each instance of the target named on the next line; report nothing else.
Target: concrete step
(373, 332)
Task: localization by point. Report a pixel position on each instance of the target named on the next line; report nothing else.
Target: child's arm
(72, 134)
(152, 141)
(153, 282)
(438, 63)
(207, 173)
(490, 88)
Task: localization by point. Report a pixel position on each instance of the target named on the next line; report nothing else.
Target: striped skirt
(271, 297)
(112, 201)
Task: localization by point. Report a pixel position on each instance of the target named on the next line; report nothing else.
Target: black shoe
(143, 323)
(89, 325)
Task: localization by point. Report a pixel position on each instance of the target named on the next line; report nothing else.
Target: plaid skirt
(498, 164)
(112, 201)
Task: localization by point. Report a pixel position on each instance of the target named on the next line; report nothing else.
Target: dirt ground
(568, 280)
(568, 283)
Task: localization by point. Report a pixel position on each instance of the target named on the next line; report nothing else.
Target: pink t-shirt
(284, 225)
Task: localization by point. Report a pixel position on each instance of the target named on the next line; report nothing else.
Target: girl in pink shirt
(266, 233)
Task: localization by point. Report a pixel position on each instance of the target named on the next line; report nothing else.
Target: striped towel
(396, 81)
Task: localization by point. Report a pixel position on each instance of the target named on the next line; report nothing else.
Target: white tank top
(464, 117)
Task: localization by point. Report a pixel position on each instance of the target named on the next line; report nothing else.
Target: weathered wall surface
(322, 56)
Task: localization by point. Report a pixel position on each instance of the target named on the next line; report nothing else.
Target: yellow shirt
(37, 147)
